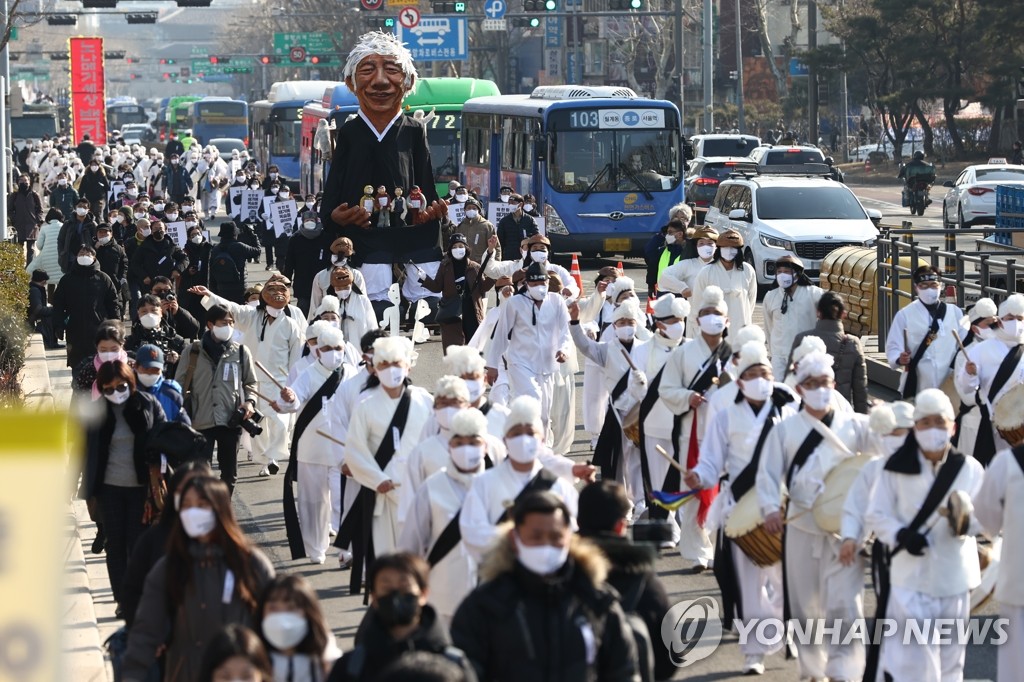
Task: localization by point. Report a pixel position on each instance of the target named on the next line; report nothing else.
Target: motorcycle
(915, 193)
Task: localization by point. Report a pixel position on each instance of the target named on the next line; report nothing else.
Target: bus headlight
(552, 223)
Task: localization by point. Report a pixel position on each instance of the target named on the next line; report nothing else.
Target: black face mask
(398, 608)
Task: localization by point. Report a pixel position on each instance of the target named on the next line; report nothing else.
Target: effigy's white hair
(386, 44)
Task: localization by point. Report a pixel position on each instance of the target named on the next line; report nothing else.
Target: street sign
(495, 9)
(399, 4)
(494, 25)
(409, 17)
(437, 38)
(297, 54)
(371, 4)
(552, 32)
(313, 43)
(798, 68)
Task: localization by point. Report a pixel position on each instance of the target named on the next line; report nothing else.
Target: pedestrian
(180, 320)
(384, 428)
(174, 145)
(86, 150)
(307, 254)
(399, 621)
(477, 230)
(63, 197)
(78, 230)
(177, 181)
(113, 261)
(302, 647)
(341, 254)
(117, 473)
(737, 279)
(668, 255)
(789, 308)
(206, 546)
(984, 320)
(85, 298)
(603, 520)
(850, 365)
(41, 315)
(463, 288)
(540, 573)
(25, 212)
(149, 370)
(47, 257)
(1017, 158)
(151, 328)
(515, 227)
(157, 255)
(219, 376)
(678, 278)
(535, 249)
(95, 186)
(109, 346)
(235, 653)
(352, 306)
(227, 263)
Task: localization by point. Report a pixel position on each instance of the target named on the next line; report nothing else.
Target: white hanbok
(782, 327)
(679, 278)
(915, 319)
(739, 286)
(322, 282)
(988, 356)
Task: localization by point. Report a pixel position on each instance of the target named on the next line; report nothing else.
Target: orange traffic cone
(650, 301)
(619, 266)
(574, 272)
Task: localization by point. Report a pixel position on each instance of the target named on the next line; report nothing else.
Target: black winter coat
(149, 549)
(240, 253)
(305, 258)
(86, 297)
(154, 258)
(511, 233)
(142, 412)
(72, 236)
(198, 270)
(113, 261)
(94, 186)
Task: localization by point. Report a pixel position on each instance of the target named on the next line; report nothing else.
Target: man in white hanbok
(984, 320)
(341, 252)
(798, 455)
(789, 308)
(679, 277)
(934, 565)
(432, 529)
(595, 316)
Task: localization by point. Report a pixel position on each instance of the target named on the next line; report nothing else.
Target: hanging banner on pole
(88, 96)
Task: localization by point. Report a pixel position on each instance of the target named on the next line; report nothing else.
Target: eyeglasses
(116, 389)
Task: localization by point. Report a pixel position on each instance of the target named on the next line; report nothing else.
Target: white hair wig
(314, 330)
(386, 44)
(469, 422)
(330, 338)
(329, 304)
(1014, 305)
(524, 410)
(752, 354)
(746, 334)
(462, 360)
(451, 387)
(393, 349)
(815, 364)
(882, 419)
(932, 401)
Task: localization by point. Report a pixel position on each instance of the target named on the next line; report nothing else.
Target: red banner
(88, 97)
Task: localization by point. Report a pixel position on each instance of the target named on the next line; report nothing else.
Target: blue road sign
(798, 68)
(495, 9)
(553, 32)
(437, 38)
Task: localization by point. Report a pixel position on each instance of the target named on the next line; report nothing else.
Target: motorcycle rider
(916, 175)
(834, 171)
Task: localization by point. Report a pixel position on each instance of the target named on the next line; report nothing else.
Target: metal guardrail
(998, 273)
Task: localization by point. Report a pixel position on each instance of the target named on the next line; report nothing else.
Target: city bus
(214, 117)
(604, 163)
(276, 132)
(120, 114)
(317, 142)
(179, 113)
(36, 122)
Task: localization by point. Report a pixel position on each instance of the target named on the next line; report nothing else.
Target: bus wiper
(636, 180)
(593, 186)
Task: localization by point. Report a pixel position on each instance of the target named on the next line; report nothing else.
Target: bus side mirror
(540, 149)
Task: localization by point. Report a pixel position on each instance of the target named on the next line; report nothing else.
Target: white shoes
(753, 664)
(344, 559)
(317, 559)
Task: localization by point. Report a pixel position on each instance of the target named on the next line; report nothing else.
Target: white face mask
(522, 449)
(712, 325)
(109, 356)
(81, 212)
(273, 176)
(670, 239)
(343, 294)
(116, 218)
(758, 390)
(197, 522)
(172, 216)
(504, 198)
(85, 260)
(784, 279)
(729, 252)
(818, 398)
(476, 389)
(146, 232)
(467, 458)
(458, 253)
(158, 206)
(331, 359)
(928, 296)
(625, 333)
(198, 239)
(539, 256)
(542, 560)
(932, 440)
(285, 630)
(150, 320)
(94, 168)
(673, 331)
(62, 182)
(893, 443)
(392, 377)
(472, 213)
(310, 225)
(537, 293)
(1012, 330)
(310, 204)
(459, 197)
(133, 193)
(706, 252)
(444, 416)
(103, 241)
(222, 333)
(149, 380)
(254, 303)
(118, 397)
(527, 207)
(273, 312)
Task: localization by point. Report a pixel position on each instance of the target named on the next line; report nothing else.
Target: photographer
(218, 378)
(180, 319)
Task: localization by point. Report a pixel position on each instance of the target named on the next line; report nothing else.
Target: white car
(971, 198)
(781, 215)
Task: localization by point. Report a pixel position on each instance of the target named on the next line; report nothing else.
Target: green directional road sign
(314, 43)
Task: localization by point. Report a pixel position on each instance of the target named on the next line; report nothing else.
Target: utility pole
(679, 63)
(709, 68)
(739, 70)
(844, 102)
(812, 74)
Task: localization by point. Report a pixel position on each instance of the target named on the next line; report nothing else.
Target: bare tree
(650, 40)
(769, 50)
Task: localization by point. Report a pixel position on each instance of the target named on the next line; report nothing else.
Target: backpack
(641, 635)
(224, 270)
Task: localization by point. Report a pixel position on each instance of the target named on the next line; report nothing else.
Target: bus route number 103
(583, 119)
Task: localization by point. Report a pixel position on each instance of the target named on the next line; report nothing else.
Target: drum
(1007, 416)
(631, 424)
(988, 558)
(828, 508)
(745, 527)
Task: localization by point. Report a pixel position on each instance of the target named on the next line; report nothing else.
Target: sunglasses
(116, 389)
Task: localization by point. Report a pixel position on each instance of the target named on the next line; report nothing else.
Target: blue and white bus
(605, 164)
(317, 145)
(214, 117)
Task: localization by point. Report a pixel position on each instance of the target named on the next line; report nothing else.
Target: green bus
(445, 96)
(179, 113)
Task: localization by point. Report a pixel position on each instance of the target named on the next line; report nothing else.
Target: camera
(251, 425)
(168, 296)
(652, 532)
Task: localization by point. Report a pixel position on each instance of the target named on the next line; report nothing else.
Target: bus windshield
(222, 112)
(616, 160)
(285, 138)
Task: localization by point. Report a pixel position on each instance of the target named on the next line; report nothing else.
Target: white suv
(782, 215)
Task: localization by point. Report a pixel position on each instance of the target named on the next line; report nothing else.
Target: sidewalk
(88, 613)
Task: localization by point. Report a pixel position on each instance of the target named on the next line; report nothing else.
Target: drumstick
(906, 348)
(329, 437)
(796, 516)
(260, 395)
(959, 341)
(270, 376)
(628, 359)
(670, 458)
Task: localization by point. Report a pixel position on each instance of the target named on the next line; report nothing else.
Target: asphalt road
(258, 503)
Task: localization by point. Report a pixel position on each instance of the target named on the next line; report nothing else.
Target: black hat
(472, 202)
(537, 272)
(40, 276)
(457, 237)
(228, 230)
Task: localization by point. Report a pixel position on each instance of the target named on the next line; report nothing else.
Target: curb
(35, 379)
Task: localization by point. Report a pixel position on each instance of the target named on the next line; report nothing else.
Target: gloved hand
(912, 541)
(639, 377)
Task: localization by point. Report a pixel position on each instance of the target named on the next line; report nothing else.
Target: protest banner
(177, 233)
(282, 216)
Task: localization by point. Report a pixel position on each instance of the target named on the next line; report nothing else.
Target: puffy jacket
(214, 399)
(850, 368)
(85, 297)
(517, 625)
(64, 199)
(157, 257)
(73, 235)
(142, 412)
(25, 211)
(113, 261)
(94, 186)
(47, 245)
(512, 232)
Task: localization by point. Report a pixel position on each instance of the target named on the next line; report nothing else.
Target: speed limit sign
(297, 54)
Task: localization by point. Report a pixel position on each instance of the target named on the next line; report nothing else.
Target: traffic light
(550, 5)
(113, 54)
(460, 8)
(525, 22)
(62, 20)
(59, 56)
(167, 76)
(385, 24)
(133, 76)
(636, 4)
(167, 61)
(99, 4)
(141, 17)
(314, 59)
(269, 59)
(217, 59)
(193, 3)
(533, 5)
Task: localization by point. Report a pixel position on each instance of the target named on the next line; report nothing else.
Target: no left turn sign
(409, 17)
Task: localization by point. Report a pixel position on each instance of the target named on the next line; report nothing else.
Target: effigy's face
(379, 85)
